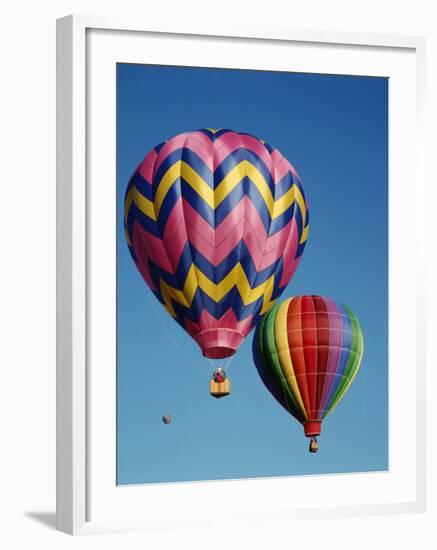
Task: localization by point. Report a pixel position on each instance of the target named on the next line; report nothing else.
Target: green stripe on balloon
(353, 363)
(274, 363)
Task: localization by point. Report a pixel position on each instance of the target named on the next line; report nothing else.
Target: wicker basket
(220, 389)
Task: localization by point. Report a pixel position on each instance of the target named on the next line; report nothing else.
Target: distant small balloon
(166, 418)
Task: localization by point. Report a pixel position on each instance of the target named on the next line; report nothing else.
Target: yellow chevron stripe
(182, 169)
(230, 181)
(147, 208)
(236, 277)
(127, 202)
(245, 168)
(141, 202)
(281, 337)
(169, 293)
(215, 197)
(304, 234)
(144, 205)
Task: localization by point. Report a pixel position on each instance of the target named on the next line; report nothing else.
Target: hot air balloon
(307, 351)
(167, 418)
(216, 222)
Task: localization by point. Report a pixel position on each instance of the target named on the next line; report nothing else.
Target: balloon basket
(314, 446)
(220, 389)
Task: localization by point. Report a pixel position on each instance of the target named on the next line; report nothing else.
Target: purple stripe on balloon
(344, 355)
(335, 342)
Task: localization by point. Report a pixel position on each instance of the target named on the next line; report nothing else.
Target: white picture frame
(87, 500)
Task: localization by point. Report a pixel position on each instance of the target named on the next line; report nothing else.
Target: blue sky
(334, 130)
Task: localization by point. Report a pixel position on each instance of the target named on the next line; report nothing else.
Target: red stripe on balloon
(296, 347)
(322, 349)
(309, 337)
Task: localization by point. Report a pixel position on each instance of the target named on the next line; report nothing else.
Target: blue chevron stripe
(215, 217)
(135, 214)
(283, 185)
(189, 157)
(240, 254)
(130, 184)
(142, 185)
(202, 301)
(160, 146)
(207, 213)
(299, 185)
(272, 226)
(300, 250)
(182, 188)
(269, 147)
(231, 301)
(220, 133)
(207, 133)
(232, 160)
(237, 156)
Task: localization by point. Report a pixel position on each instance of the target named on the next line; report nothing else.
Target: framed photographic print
(238, 214)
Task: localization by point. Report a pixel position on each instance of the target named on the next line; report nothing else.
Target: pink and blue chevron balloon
(216, 222)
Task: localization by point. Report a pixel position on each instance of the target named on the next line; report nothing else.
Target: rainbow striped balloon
(216, 222)
(307, 351)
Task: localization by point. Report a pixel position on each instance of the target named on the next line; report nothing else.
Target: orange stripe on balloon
(282, 348)
(296, 351)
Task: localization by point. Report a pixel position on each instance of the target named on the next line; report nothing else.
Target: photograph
(218, 316)
(252, 274)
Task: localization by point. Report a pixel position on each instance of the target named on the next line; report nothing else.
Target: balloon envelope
(216, 222)
(308, 350)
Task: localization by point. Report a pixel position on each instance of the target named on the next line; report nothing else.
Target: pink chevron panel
(175, 233)
(146, 166)
(196, 141)
(290, 262)
(229, 320)
(227, 144)
(281, 167)
(154, 247)
(142, 257)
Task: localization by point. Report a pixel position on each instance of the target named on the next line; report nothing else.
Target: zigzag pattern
(216, 222)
